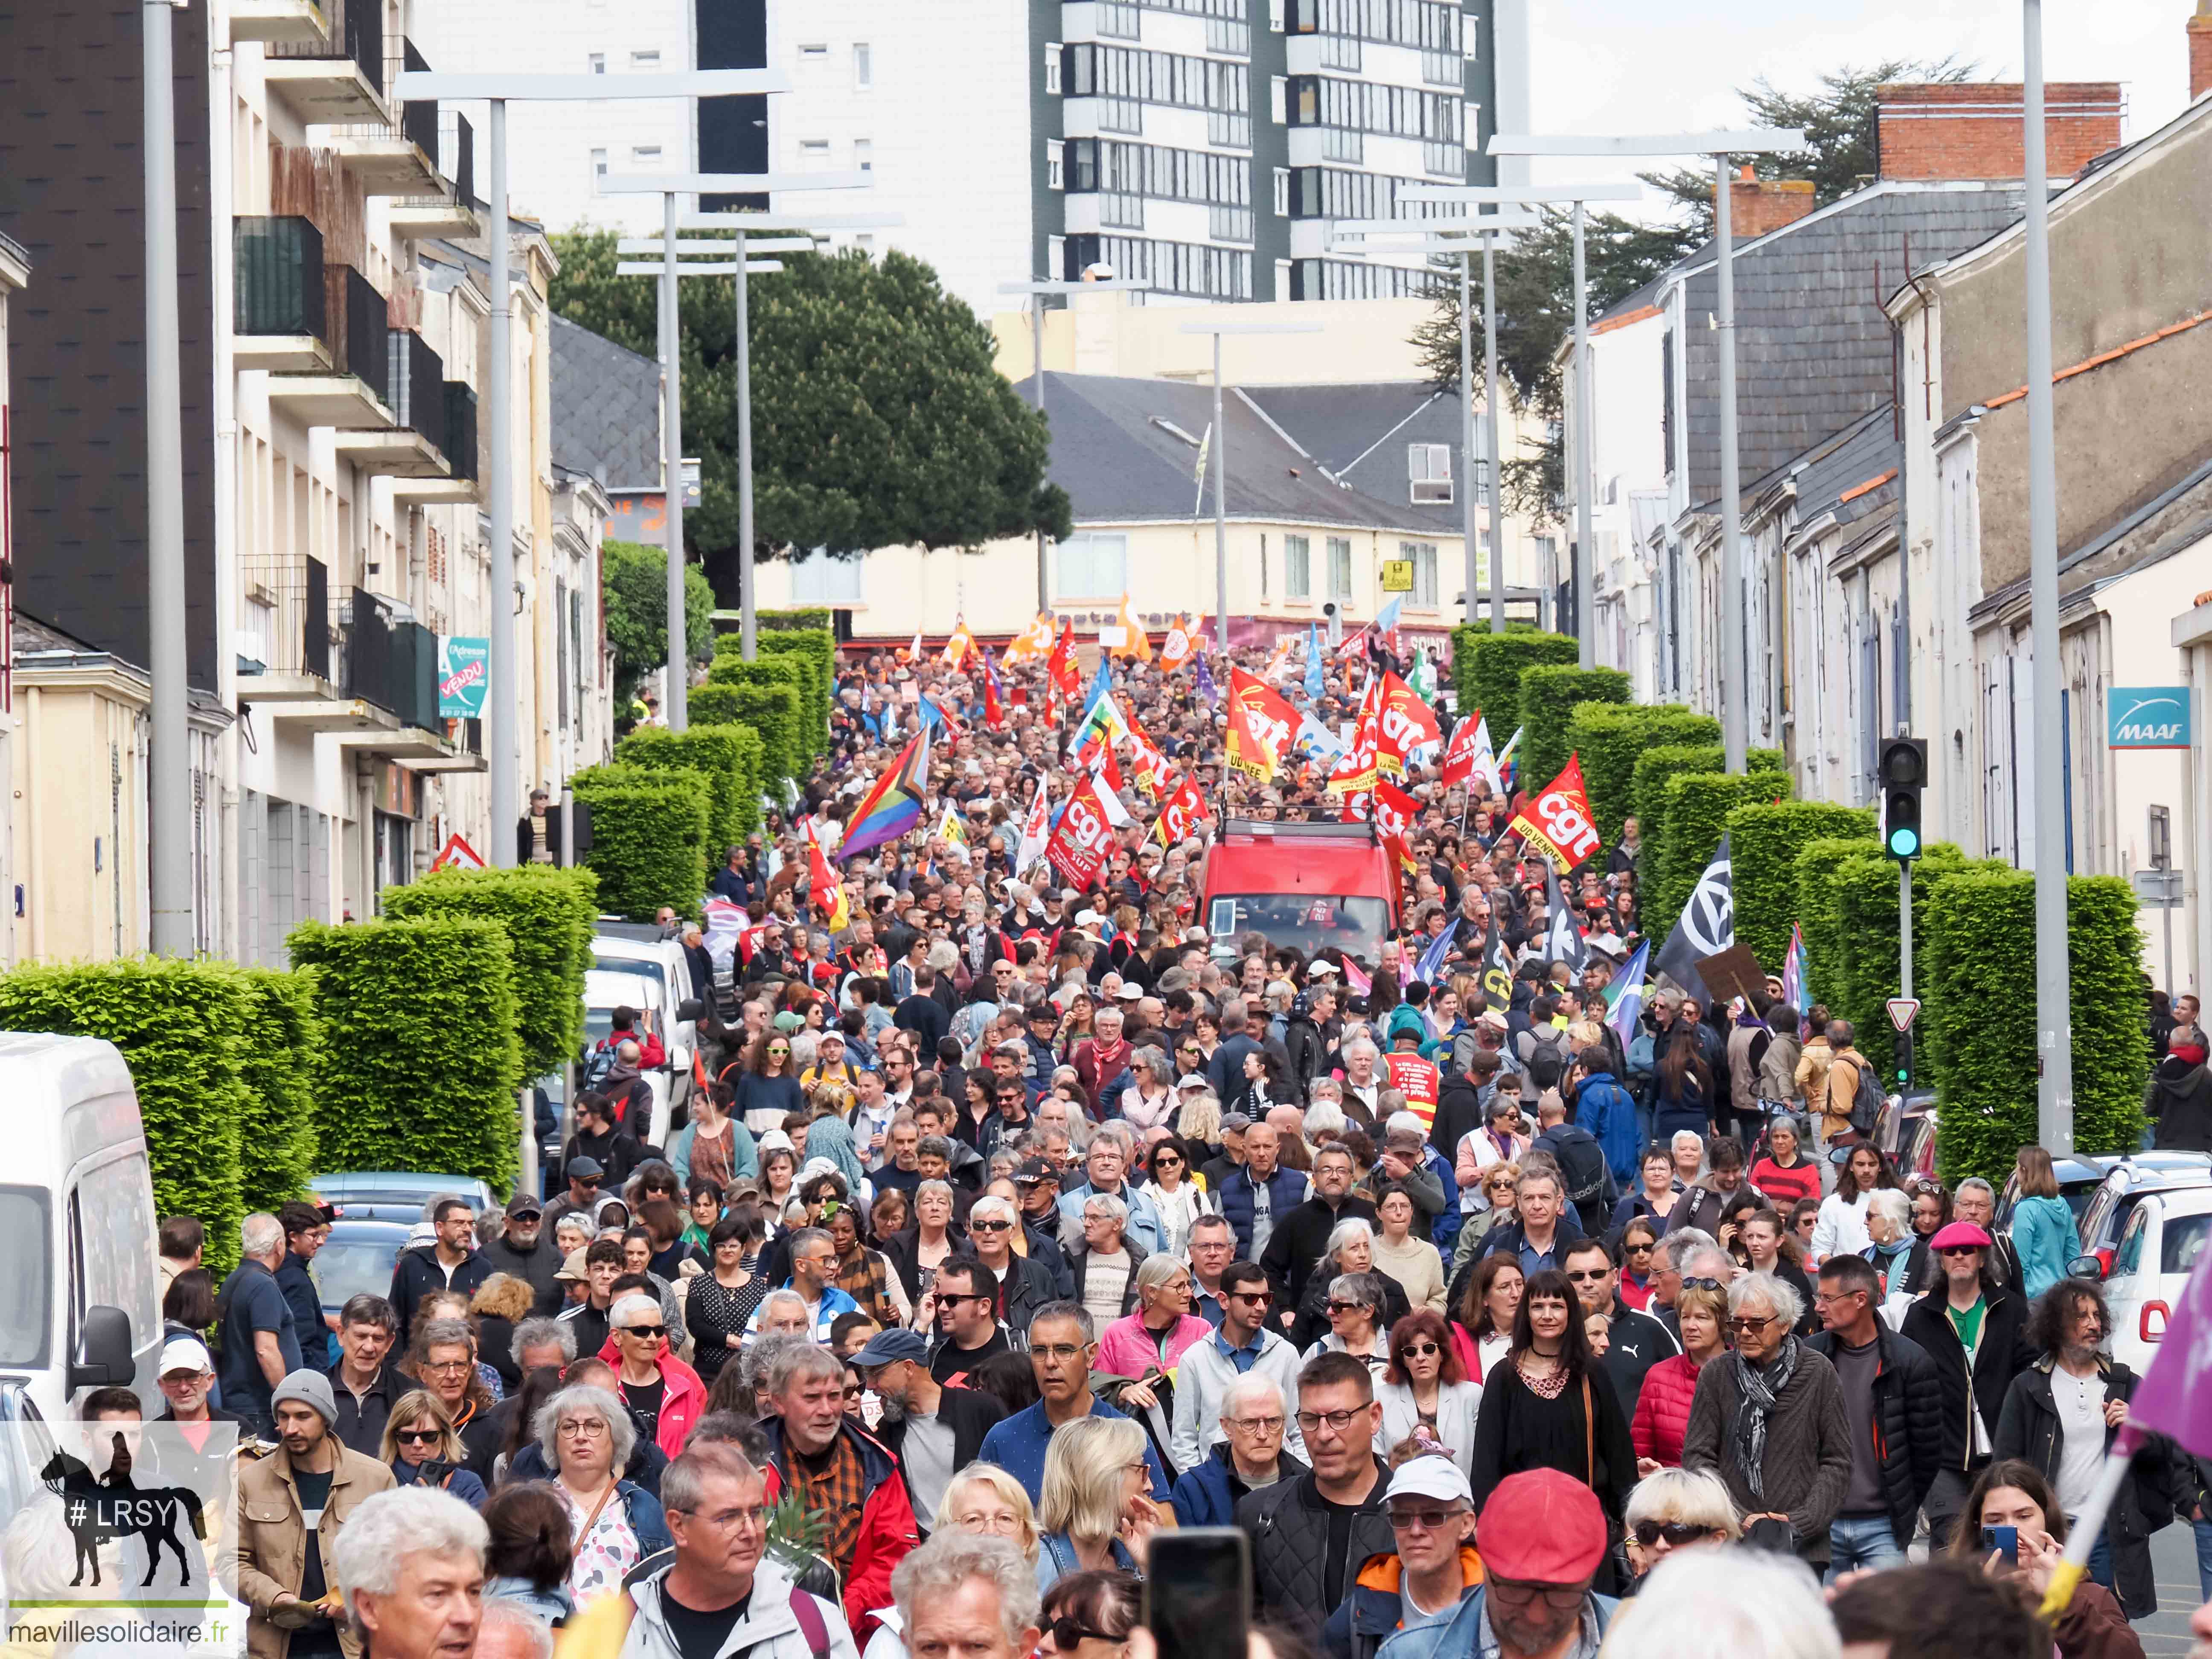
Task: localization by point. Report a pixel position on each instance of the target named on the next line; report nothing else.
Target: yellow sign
(1397, 575)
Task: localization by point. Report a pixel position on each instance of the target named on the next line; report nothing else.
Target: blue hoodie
(1609, 1112)
(2044, 1233)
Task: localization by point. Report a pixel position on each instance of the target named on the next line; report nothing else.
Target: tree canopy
(635, 581)
(879, 419)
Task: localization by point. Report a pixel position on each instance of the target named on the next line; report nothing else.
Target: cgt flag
(1079, 847)
(1180, 812)
(1405, 723)
(1706, 928)
(1469, 754)
(1558, 822)
(1260, 724)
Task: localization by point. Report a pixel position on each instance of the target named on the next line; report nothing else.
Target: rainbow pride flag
(893, 806)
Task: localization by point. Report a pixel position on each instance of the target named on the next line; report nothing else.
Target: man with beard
(936, 1431)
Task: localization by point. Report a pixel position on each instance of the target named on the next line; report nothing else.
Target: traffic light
(1903, 772)
(1904, 1075)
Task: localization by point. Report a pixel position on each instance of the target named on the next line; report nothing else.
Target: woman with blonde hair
(982, 1499)
(1097, 1512)
(1676, 1509)
(419, 1434)
(1199, 1120)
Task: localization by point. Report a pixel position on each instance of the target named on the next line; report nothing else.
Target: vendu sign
(2148, 716)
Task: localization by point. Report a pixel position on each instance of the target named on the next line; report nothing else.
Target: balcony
(413, 445)
(346, 662)
(389, 157)
(278, 319)
(459, 447)
(388, 660)
(356, 390)
(334, 77)
(453, 210)
(287, 22)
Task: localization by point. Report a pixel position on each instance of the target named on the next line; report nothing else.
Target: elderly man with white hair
(411, 1561)
(1246, 1345)
(968, 1594)
(1255, 1414)
(1364, 1082)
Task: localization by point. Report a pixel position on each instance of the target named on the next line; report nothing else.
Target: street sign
(1901, 1011)
(2148, 716)
(457, 855)
(1397, 575)
(2157, 889)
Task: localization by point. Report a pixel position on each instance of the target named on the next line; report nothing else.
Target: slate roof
(1847, 463)
(1118, 464)
(1814, 347)
(606, 409)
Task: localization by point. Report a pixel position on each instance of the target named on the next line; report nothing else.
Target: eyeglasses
(1254, 1424)
(1060, 1351)
(1751, 1322)
(746, 1516)
(990, 1226)
(1067, 1634)
(1676, 1532)
(1587, 1275)
(584, 1428)
(1702, 1284)
(654, 1333)
(1426, 1520)
(446, 1367)
(1561, 1597)
(1336, 1306)
(1310, 1422)
(418, 1436)
(778, 1050)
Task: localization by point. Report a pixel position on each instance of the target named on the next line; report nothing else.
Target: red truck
(1306, 885)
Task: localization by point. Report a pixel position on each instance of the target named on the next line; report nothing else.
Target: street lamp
(499, 89)
(669, 187)
(1735, 695)
(1458, 245)
(2054, 1092)
(1220, 455)
(1037, 291)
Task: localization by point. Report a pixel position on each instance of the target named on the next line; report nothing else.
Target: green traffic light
(1903, 1076)
(1905, 842)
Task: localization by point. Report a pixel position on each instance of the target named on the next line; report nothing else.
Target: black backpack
(1583, 1167)
(1866, 1100)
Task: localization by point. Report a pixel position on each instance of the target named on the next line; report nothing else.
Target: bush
(180, 1026)
(771, 713)
(817, 648)
(420, 1064)
(1820, 911)
(1697, 812)
(1550, 692)
(726, 756)
(1981, 987)
(1486, 672)
(811, 615)
(277, 1140)
(549, 916)
(772, 670)
(634, 584)
(1647, 789)
(648, 838)
(1763, 843)
(1611, 738)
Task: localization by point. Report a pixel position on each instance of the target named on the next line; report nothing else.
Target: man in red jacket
(843, 1473)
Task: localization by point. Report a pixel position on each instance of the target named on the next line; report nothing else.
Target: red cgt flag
(1406, 724)
(1557, 822)
(1259, 725)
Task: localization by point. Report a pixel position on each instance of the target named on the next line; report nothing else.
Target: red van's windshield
(1303, 922)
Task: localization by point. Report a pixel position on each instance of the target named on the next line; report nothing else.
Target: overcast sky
(1668, 65)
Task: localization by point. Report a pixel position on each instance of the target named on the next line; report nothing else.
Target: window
(599, 62)
(649, 59)
(863, 155)
(1282, 192)
(1298, 566)
(1479, 470)
(599, 165)
(864, 70)
(1055, 176)
(1052, 68)
(1429, 467)
(1279, 93)
(1339, 568)
(1275, 16)
(814, 51)
(645, 152)
(1423, 555)
(1093, 564)
(814, 152)
(1263, 568)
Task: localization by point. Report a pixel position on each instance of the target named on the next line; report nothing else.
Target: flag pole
(2082, 1537)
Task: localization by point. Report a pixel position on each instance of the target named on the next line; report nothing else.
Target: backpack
(1866, 1097)
(597, 1064)
(1583, 1165)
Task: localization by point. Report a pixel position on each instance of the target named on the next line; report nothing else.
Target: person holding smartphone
(2013, 1528)
(421, 1448)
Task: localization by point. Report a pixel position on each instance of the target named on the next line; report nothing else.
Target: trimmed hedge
(1654, 767)
(182, 1027)
(1486, 671)
(1763, 843)
(817, 648)
(277, 1142)
(782, 727)
(1981, 959)
(771, 713)
(811, 615)
(420, 1064)
(1697, 812)
(548, 914)
(719, 754)
(1820, 909)
(648, 838)
(1611, 738)
(1550, 693)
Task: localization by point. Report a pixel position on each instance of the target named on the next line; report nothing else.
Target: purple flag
(2175, 1395)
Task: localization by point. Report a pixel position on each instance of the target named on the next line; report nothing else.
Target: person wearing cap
(585, 1175)
(1433, 1568)
(185, 1372)
(523, 1251)
(1543, 1536)
(935, 1430)
(1976, 1331)
(292, 1507)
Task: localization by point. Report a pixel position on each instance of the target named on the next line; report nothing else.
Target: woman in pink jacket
(1153, 1336)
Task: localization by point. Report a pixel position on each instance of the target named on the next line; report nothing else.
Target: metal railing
(418, 387)
(363, 345)
(356, 31)
(280, 288)
(460, 445)
(389, 659)
(288, 600)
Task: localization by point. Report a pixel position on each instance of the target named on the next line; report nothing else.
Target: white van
(80, 1304)
(604, 993)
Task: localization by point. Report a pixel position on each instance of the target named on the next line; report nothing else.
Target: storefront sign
(464, 677)
(2148, 716)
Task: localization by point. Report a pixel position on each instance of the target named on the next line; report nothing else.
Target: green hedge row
(420, 1064)
(1486, 670)
(1869, 965)
(1550, 693)
(1763, 843)
(1980, 957)
(772, 714)
(727, 757)
(816, 649)
(277, 1142)
(773, 670)
(1820, 912)
(809, 616)
(549, 914)
(1654, 770)
(1697, 805)
(648, 838)
(1612, 737)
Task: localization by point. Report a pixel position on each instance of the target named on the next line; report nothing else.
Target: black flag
(1707, 927)
(1564, 941)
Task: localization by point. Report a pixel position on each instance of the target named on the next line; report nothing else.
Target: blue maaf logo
(2148, 716)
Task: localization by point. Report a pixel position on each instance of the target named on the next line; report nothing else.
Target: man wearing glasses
(966, 1294)
(1062, 1345)
(1251, 1457)
(1895, 1403)
(665, 1396)
(1243, 1346)
(1310, 1535)
(1212, 1248)
(1635, 1342)
(1432, 1570)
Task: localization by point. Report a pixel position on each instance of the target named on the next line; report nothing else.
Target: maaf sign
(2148, 716)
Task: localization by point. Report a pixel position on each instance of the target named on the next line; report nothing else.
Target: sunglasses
(990, 1226)
(1702, 1284)
(1067, 1634)
(418, 1436)
(654, 1332)
(1590, 1275)
(1336, 1306)
(1257, 1298)
(1422, 1350)
(1428, 1520)
(1676, 1532)
(1960, 1249)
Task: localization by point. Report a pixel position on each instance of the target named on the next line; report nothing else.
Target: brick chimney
(2200, 51)
(1758, 205)
(1972, 129)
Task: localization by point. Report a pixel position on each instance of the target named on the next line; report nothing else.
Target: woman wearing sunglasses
(1178, 1194)
(1662, 1407)
(1638, 1240)
(420, 1447)
(767, 1088)
(1424, 1390)
(1089, 1615)
(1675, 1509)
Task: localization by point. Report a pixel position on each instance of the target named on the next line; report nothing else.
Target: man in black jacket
(1976, 1332)
(1302, 1234)
(451, 1263)
(1895, 1405)
(1310, 1535)
(1026, 1283)
(1588, 1178)
(523, 1250)
(1635, 1342)
(936, 1431)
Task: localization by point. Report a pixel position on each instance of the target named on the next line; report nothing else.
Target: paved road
(2166, 1634)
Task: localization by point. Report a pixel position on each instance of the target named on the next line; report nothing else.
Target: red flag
(1059, 667)
(1182, 808)
(1459, 759)
(1406, 723)
(1356, 773)
(1079, 847)
(1557, 822)
(1260, 725)
(1395, 812)
(994, 713)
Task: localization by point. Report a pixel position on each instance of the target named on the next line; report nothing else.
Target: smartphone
(433, 1472)
(2001, 1541)
(1198, 1592)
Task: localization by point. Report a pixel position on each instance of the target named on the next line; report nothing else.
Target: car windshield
(1303, 922)
(2182, 1242)
(650, 971)
(350, 1264)
(25, 1287)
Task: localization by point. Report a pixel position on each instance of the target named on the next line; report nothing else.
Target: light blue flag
(1314, 685)
(1432, 959)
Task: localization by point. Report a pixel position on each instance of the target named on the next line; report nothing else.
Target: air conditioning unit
(1432, 492)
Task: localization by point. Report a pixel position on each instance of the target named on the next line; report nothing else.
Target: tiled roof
(607, 409)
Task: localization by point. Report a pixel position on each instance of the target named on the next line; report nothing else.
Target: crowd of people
(1011, 1224)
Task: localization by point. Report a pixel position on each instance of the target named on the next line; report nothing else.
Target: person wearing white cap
(185, 1373)
(1433, 1568)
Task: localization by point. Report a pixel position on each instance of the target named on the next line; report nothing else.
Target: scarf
(1760, 1389)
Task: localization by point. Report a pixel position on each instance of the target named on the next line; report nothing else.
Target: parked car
(358, 1257)
(398, 1195)
(2079, 1175)
(661, 962)
(2105, 1218)
(2150, 1267)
